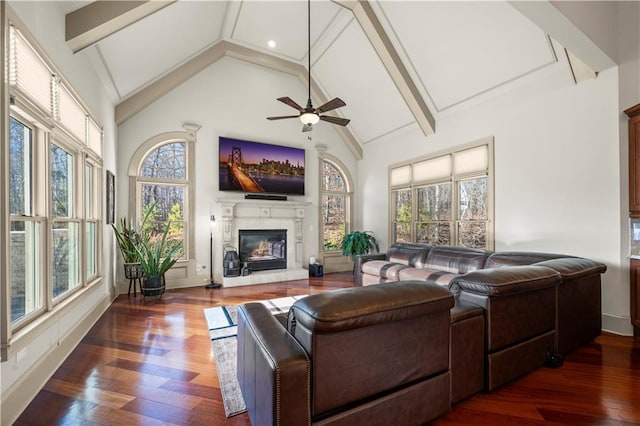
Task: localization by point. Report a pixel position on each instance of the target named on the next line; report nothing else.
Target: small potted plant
(358, 242)
(157, 255)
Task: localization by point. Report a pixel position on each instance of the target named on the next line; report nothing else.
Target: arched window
(161, 174)
(335, 202)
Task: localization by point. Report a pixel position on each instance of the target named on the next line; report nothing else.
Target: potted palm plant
(157, 255)
(358, 242)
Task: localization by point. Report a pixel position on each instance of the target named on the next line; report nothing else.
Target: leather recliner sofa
(356, 356)
(536, 305)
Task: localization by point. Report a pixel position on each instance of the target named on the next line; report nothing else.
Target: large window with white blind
(444, 199)
(53, 182)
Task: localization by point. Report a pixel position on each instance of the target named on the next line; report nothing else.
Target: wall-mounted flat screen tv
(256, 167)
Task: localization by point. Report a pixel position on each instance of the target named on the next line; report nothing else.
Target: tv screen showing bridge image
(257, 167)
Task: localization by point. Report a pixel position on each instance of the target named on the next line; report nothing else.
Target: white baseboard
(617, 325)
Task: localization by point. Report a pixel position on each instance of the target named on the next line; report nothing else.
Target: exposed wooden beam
(97, 20)
(546, 16)
(134, 104)
(380, 41)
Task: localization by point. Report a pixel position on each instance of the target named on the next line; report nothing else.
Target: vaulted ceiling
(395, 63)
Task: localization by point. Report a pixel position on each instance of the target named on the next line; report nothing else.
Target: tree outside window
(335, 201)
(163, 189)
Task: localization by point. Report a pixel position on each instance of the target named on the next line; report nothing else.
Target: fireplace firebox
(263, 249)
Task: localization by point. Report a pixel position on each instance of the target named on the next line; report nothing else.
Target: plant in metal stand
(157, 256)
(128, 238)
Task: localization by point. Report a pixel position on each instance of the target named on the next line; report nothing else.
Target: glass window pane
(473, 199)
(434, 202)
(91, 249)
(166, 162)
(334, 220)
(167, 204)
(24, 269)
(436, 233)
(65, 260)
(332, 179)
(19, 168)
(61, 182)
(402, 215)
(472, 234)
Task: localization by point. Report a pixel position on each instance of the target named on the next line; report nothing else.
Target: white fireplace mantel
(265, 214)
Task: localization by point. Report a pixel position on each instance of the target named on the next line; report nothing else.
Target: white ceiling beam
(100, 19)
(137, 102)
(381, 43)
(553, 22)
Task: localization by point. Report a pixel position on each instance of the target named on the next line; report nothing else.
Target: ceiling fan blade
(335, 120)
(332, 104)
(282, 117)
(307, 127)
(287, 100)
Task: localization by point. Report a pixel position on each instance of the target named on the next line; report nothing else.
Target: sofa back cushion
(359, 339)
(456, 260)
(518, 258)
(410, 254)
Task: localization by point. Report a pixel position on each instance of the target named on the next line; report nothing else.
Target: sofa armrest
(505, 281)
(273, 369)
(359, 261)
(574, 268)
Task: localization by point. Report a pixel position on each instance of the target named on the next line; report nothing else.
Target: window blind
(29, 73)
(71, 114)
(471, 160)
(94, 136)
(433, 169)
(400, 176)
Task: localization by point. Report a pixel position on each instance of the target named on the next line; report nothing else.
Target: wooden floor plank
(149, 362)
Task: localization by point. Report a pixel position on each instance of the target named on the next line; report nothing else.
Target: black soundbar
(270, 197)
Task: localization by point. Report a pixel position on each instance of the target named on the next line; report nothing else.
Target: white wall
(231, 98)
(557, 172)
(21, 379)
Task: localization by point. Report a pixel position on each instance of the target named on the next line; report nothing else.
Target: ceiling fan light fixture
(309, 118)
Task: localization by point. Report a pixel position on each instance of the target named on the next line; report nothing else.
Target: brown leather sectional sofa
(442, 324)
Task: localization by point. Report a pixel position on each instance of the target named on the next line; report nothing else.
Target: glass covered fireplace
(263, 249)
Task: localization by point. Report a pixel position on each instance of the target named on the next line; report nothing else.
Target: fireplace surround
(243, 214)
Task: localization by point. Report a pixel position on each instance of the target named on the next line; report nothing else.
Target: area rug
(222, 323)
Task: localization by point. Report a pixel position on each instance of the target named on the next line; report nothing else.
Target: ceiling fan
(310, 115)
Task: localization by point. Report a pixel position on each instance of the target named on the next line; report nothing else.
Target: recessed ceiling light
(271, 43)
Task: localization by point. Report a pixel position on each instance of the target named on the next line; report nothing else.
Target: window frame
(187, 263)
(47, 128)
(401, 178)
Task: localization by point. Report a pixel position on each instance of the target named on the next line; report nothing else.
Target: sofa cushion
(386, 271)
(431, 276)
(411, 254)
(457, 260)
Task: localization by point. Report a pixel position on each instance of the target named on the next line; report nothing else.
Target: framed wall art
(111, 198)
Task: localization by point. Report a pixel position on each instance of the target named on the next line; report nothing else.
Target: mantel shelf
(262, 203)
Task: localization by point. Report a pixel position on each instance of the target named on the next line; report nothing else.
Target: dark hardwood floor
(150, 363)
